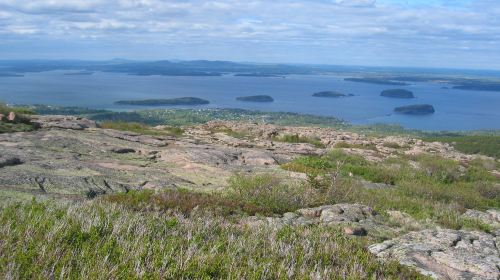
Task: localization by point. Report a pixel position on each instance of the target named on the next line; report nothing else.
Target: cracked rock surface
(445, 253)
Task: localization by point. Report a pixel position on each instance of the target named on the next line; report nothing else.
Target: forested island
(256, 98)
(397, 93)
(165, 102)
(331, 94)
(417, 109)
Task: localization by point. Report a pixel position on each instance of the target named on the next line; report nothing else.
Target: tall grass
(103, 241)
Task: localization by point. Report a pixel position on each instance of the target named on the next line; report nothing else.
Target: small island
(165, 102)
(256, 98)
(10, 75)
(397, 93)
(81, 73)
(331, 94)
(417, 109)
(260, 75)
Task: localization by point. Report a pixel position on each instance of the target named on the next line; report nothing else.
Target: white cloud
(359, 28)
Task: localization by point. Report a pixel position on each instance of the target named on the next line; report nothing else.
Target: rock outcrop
(445, 253)
(354, 219)
(63, 122)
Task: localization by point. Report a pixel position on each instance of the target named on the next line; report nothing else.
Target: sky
(407, 33)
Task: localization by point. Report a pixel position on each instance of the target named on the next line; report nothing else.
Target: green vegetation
(437, 189)
(295, 138)
(470, 144)
(482, 142)
(94, 240)
(142, 128)
(21, 123)
(180, 117)
(392, 145)
(356, 146)
(232, 133)
(165, 102)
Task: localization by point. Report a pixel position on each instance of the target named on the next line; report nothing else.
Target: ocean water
(455, 109)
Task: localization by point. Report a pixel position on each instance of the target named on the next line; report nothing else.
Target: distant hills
(458, 79)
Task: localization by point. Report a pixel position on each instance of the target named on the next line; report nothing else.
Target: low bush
(356, 146)
(142, 128)
(471, 144)
(183, 201)
(430, 188)
(269, 193)
(295, 138)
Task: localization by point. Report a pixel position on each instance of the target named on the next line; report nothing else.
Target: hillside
(320, 185)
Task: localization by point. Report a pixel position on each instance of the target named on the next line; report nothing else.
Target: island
(260, 75)
(397, 93)
(417, 109)
(331, 94)
(377, 81)
(165, 102)
(256, 98)
(81, 73)
(10, 75)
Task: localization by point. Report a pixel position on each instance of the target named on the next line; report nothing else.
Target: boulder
(257, 158)
(12, 117)
(357, 231)
(490, 217)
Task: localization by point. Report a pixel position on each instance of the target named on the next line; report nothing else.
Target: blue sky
(426, 33)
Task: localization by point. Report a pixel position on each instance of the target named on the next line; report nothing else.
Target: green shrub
(295, 138)
(471, 144)
(269, 193)
(431, 189)
(183, 201)
(21, 123)
(141, 128)
(344, 144)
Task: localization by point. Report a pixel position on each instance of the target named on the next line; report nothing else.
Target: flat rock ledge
(63, 122)
(445, 253)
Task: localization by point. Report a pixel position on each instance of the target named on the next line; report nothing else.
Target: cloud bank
(432, 33)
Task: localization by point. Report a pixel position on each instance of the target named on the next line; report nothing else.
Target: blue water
(455, 109)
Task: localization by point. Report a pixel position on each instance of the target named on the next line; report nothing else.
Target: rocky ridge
(71, 157)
